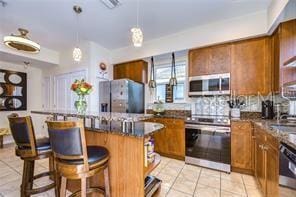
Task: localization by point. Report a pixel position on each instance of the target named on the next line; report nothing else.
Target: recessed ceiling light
(21, 42)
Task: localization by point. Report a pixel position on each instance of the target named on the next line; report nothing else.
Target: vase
(81, 104)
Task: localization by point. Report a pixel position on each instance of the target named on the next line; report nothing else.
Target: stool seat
(96, 154)
(43, 144)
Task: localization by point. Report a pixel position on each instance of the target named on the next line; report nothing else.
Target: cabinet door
(287, 33)
(260, 159)
(135, 70)
(241, 145)
(219, 59)
(198, 62)
(272, 171)
(175, 136)
(160, 141)
(250, 67)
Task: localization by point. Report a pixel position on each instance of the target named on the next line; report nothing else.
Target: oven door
(208, 146)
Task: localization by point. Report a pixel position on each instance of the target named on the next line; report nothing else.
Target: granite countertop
(125, 124)
(110, 116)
(135, 129)
(282, 134)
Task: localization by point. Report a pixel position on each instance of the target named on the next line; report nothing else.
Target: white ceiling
(52, 23)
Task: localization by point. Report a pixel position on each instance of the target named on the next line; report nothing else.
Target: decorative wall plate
(103, 66)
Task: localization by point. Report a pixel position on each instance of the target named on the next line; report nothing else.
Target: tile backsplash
(217, 105)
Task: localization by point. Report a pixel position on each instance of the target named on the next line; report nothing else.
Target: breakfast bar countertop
(125, 124)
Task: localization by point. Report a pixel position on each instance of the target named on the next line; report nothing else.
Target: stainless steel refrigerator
(122, 95)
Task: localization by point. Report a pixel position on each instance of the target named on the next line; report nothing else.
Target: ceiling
(52, 23)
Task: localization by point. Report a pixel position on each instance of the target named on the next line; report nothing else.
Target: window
(162, 77)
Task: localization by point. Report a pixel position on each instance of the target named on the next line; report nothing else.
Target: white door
(64, 96)
(46, 93)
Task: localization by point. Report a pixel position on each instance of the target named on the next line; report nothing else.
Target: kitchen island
(124, 135)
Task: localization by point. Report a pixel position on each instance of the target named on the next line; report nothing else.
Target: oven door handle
(209, 128)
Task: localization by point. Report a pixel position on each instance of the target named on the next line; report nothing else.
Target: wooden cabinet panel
(170, 141)
(219, 59)
(272, 172)
(241, 147)
(210, 60)
(260, 159)
(267, 162)
(275, 61)
(135, 70)
(198, 62)
(287, 37)
(250, 67)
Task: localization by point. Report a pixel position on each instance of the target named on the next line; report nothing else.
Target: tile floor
(179, 179)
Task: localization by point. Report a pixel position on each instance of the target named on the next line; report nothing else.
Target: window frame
(183, 81)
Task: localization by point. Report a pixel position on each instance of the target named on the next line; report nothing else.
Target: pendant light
(152, 82)
(137, 34)
(77, 53)
(173, 79)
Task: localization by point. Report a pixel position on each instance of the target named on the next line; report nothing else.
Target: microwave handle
(220, 84)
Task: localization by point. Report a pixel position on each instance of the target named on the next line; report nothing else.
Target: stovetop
(208, 120)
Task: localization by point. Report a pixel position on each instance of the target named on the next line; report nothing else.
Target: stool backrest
(67, 139)
(23, 133)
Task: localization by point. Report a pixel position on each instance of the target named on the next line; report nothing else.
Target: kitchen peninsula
(124, 135)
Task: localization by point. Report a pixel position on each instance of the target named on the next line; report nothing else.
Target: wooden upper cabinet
(135, 70)
(251, 66)
(219, 59)
(275, 61)
(198, 62)
(287, 39)
(241, 146)
(210, 60)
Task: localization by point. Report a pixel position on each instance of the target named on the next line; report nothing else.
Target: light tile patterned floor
(178, 179)
(182, 180)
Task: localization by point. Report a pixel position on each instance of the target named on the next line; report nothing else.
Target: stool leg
(24, 179)
(107, 182)
(63, 187)
(83, 187)
(1, 141)
(31, 174)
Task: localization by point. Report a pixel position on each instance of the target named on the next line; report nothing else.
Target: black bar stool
(75, 160)
(30, 149)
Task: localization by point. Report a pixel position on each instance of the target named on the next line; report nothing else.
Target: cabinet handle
(265, 147)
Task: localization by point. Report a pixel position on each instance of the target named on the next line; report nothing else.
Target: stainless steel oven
(208, 146)
(218, 84)
(287, 166)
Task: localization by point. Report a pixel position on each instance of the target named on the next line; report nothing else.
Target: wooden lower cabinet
(272, 171)
(260, 159)
(242, 147)
(170, 141)
(267, 162)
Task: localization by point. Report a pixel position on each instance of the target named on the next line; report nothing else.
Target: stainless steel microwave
(218, 84)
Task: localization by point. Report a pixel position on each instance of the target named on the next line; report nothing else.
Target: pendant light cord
(152, 69)
(138, 8)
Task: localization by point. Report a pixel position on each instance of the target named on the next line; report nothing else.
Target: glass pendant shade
(152, 82)
(137, 37)
(77, 54)
(173, 81)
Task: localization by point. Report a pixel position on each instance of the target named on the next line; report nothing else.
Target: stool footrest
(40, 189)
(43, 174)
(89, 190)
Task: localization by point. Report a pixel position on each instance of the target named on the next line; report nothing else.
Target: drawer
(240, 125)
